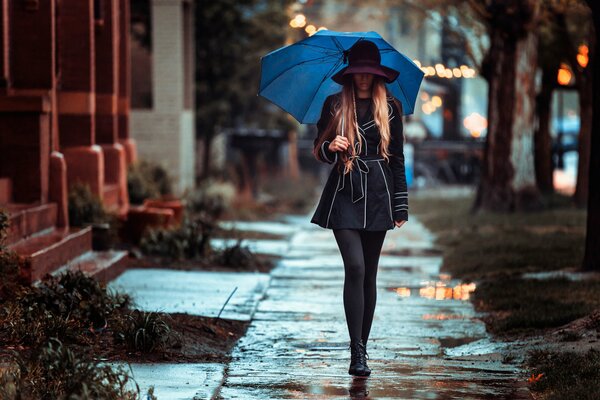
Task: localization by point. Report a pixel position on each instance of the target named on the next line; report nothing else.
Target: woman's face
(363, 81)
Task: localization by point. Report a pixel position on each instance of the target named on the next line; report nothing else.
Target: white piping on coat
(332, 201)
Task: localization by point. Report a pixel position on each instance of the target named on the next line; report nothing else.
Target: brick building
(64, 118)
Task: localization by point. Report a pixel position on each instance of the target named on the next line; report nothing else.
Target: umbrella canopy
(297, 78)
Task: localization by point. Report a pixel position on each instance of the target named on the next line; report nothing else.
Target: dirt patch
(196, 339)
(266, 263)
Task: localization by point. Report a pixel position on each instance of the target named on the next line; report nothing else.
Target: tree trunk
(508, 174)
(591, 260)
(206, 161)
(543, 141)
(583, 146)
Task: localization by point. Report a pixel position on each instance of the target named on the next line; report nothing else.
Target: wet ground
(425, 343)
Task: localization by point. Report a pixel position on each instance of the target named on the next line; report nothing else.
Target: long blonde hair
(347, 109)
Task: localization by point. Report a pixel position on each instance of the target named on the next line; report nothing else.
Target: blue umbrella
(297, 77)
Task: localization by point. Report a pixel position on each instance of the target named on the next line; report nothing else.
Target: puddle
(437, 291)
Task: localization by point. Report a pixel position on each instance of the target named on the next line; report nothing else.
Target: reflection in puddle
(439, 291)
(358, 388)
(403, 292)
(443, 316)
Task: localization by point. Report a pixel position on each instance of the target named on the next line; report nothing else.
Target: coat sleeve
(400, 201)
(325, 155)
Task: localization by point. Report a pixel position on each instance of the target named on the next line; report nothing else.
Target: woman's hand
(339, 143)
(399, 223)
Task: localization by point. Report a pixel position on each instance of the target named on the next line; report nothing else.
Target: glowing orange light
(564, 74)
(475, 124)
(583, 56)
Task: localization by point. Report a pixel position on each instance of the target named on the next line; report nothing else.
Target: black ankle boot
(367, 369)
(357, 359)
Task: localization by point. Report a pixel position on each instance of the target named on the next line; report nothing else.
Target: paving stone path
(426, 341)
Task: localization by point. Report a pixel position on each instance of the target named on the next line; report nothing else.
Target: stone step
(28, 220)
(102, 265)
(47, 252)
(5, 190)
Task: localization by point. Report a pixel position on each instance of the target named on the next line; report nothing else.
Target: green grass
(565, 375)
(487, 244)
(528, 305)
(495, 248)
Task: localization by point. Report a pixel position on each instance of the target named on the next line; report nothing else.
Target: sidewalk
(425, 342)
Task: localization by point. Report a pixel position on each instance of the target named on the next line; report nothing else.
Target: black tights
(360, 251)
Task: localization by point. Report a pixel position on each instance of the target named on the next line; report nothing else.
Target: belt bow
(358, 174)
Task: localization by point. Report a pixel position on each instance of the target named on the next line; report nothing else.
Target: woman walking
(360, 131)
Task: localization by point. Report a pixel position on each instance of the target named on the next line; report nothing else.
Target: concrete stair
(45, 248)
(27, 220)
(46, 252)
(102, 265)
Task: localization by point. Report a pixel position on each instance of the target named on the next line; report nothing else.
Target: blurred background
(150, 101)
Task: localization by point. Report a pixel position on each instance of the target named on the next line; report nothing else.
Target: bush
(63, 306)
(211, 199)
(57, 372)
(147, 180)
(145, 331)
(191, 240)
(237, 256)
(85, 207)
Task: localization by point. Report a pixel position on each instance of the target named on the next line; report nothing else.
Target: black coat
(374, 194)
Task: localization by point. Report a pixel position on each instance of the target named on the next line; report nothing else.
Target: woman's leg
(372, 241)
(350, 246)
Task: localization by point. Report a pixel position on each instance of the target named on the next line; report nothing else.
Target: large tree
(591, 259)
(508, 174)
(231, 36)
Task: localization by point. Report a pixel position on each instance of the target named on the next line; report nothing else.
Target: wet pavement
(425, 343)
(202, 293)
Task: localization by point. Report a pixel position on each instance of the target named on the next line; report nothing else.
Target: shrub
(63, 306)
(145, 331)
(237, 256)
(85, 207)
(211, 198)
(147, 180)
(58, 372)
(191, 240)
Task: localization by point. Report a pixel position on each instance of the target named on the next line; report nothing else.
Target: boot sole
(358, 373)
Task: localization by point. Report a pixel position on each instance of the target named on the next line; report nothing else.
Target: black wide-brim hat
(364, 57)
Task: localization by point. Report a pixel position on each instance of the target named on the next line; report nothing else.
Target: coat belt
(358, 175)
